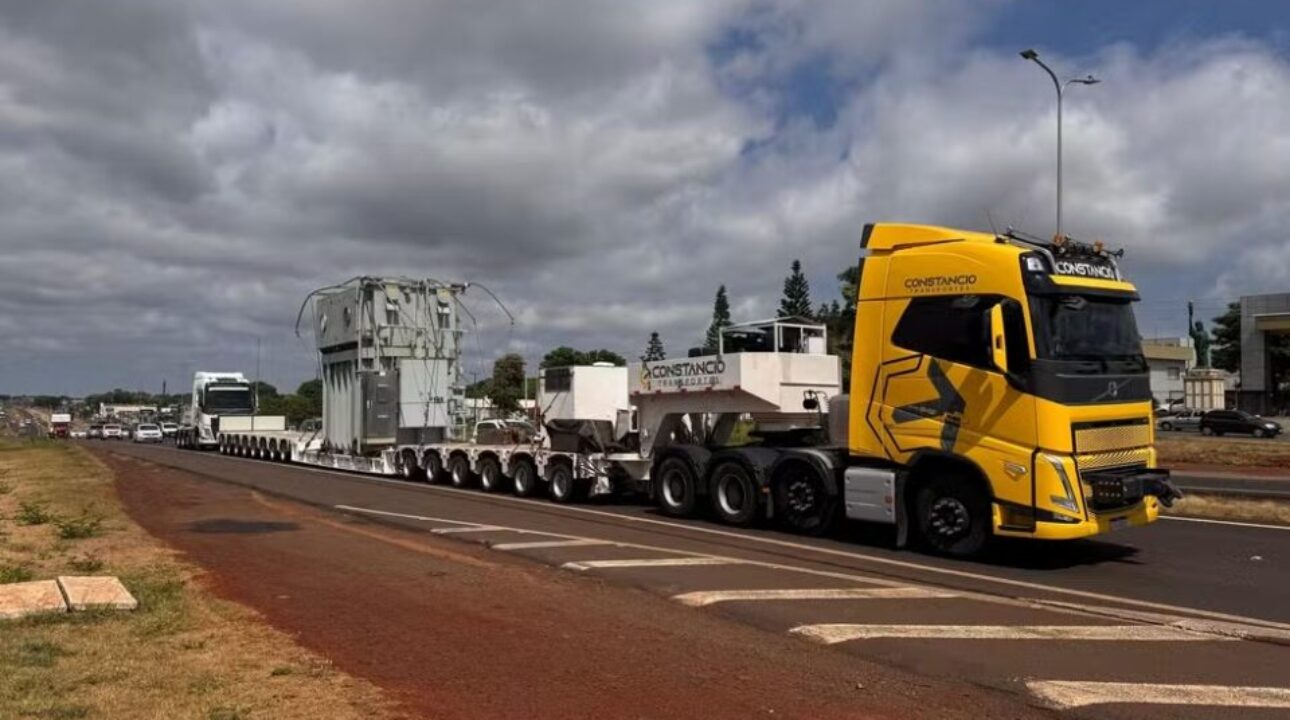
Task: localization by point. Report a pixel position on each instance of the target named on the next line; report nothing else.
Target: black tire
(952, 516)
(491, 478)
(565, 488)
(1260, 433)
(734, 494)
(676, 487)
(434, 470)
(803, 503)
(524, 478)
(1166, 426)
(1206, 430)
(409, 468)
(459, 471)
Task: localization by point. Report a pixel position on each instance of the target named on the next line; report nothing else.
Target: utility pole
(1033, 56)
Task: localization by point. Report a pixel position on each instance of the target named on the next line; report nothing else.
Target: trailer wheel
(408, 467)
(677, 487)
(491, 478)
(524, 478)
(802, 502)
(565, 488)
(953, 516)
(434, 467)
(734, 494)
(459, 469)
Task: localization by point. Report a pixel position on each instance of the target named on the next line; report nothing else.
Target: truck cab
(997, 388)
(215, 394)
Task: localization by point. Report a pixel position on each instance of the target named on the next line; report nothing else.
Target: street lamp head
(1089, 80)
(1030, 54)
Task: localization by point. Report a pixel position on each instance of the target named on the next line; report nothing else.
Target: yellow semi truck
(1003, 379)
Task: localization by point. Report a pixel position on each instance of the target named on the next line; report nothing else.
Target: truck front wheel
(676, 487)
(953, 516)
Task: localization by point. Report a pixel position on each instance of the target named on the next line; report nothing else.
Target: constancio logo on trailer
(679, 374)
(939, 283)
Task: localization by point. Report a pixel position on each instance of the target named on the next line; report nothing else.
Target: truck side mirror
(998, 341)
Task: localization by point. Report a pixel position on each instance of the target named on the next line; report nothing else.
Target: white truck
(222, 401)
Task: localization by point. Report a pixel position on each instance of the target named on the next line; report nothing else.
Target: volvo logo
(1113, 389)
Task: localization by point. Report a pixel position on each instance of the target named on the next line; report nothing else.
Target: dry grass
(183, 654)
(1216, 507)
(1194, 449)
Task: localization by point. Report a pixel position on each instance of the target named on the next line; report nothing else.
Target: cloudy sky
(176, 176)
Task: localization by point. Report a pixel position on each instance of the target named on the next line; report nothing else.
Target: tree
(264, 389)
(1225, 353)
(720, 319)
(507, 385)
(565, 356)
(796, 301)
(311, 391)
(654, 350)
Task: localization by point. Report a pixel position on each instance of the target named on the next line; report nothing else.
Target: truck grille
(1115, 458)
(1104, 437)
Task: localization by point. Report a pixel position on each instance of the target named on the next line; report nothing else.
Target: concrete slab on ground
(86, 593)
(30, 598)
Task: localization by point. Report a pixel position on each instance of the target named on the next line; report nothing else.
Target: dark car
(1221, 422)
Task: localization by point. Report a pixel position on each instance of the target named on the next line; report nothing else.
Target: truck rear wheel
(491, 478)
(953, 516)
(734, 494)
(802, 501)
(525, 478)
(677, 487)
(459, 470)
(565, 488)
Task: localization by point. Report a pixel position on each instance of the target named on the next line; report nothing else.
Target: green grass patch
(87, 564)
(33, 513)
(85, 525)
(15, 574)
(40, 653)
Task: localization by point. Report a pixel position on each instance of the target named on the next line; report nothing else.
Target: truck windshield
(1083, 328)
(231, 399)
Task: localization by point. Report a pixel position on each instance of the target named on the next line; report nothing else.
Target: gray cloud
(178, 175)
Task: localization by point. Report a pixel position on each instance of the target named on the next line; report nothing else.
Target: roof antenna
(989, 216)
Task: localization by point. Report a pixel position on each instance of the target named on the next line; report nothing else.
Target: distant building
(1261, 315)
(1169, 359)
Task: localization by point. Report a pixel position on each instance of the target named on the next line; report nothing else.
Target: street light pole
(1060, 86)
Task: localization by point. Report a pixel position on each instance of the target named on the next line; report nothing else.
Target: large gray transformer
(389, 353)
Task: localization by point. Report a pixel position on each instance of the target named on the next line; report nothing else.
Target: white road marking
(648, 562)
(710, 597)
(405, 516)
(550, 544)
(459, 530)
(842, 632)
(1261, 526)
(1065, 694)
(890, 562)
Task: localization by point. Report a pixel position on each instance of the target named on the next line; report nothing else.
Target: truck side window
(948, 327)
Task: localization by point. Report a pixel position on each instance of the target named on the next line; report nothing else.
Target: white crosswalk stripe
(702, 598)
(648, 562)
(459, 530)
(1065, 694)
(836, 633)
(549, 544)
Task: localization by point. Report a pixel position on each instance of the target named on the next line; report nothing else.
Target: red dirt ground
(453, 631)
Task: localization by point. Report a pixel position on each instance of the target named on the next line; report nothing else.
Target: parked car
(1221, 422)
(1184, 419)
(147, 432)
(95, 432)
(78, 434)
(168, 429)
(113, 432)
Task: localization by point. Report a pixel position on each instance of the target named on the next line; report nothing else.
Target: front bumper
(1113, 500)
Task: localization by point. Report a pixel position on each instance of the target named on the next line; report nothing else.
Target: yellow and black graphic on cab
(947, 406)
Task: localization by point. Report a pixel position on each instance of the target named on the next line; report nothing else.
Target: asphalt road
(1138, 624)
(1234, 484)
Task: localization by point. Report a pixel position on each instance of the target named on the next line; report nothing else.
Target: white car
(78, 434)
(147, 432)
(113, 432)
(168, 429)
